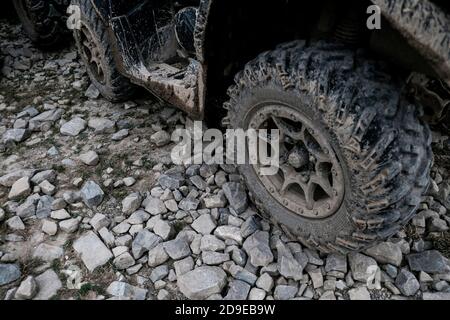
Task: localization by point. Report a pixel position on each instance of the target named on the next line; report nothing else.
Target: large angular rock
(28, 208)
(171, 181)
(102, 125)
(49, 175)
(93, 251)
(49, 284)
(9, 273)
(89, 158)
(124, 290)
(27, 289)
(407, 283)
(157, 256)
(336, 262)
(131, 203)
(73, 127)
(92, 194)
(202, 282)
(386, 252)
(428, 261)
(144, 241)
(229, 232)
(360, 293)
(238, 290)
(204, 224)
(20, 188)
(177, 249)
(47, 252)
(258, 249)
(361, 266)
(8, 180)
(44, 207)
(15, 135)
(236, 196)
(154, 206)
(287, 265)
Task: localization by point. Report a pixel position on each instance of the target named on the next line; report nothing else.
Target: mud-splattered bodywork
(422, 23)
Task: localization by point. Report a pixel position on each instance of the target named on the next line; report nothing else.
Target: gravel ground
(92, 208)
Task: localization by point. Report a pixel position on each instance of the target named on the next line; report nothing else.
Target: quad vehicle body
(189, 53)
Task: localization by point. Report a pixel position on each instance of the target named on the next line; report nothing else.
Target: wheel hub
(310, 179)
(92, 54)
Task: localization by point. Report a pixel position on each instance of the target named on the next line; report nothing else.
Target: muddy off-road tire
(44, 21)
(96, 52)
(356, 144)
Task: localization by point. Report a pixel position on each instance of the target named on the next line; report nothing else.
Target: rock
(47, 188)
(171, 181)
(287, 265)
(27, 289)
(2, 214)
(407, 283)
(240, 273)
(49, 284)
(120, 135)
(102, 125)
(44, 207)
(237, 290)
(124, 290)
(15, 223)
(47, 116)
(177, 249)
(257, 248)
(21, 188)
(265, 282)
(163, 295)
(92, 194)
(129, 181)
(138, 217)
(155, 206)
(61, 214)
(336, 262)
(436, 296)
(207, 170)
(123, 261)
(361, 266)
(202, 282)
(93, 251)
(198, 182)
(360, 293)
(49, 227)
(236, 196)
(89, 158)
(49, 175)
(256, 294)
(171, 205)
(188, 204)
(9, 179)
(144, 241)
(160, 138)
(92, 92)
(229, 232)
(215, 201)
(316, 277)
(28, 208)
(386, 252)
(69, 226)
(163, 229)
(9, 273)
(211, 243)
(204, 224)
(284, 292)
(159, 273)
(99, 221)
(47, 252)
(73, 127)
(131, 203)
(157, 256)
(183, 266)
(428, 261)
(250, 226)
(15, 135)
(212, 258)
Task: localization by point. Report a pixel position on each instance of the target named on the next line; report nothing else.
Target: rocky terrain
(92, 208)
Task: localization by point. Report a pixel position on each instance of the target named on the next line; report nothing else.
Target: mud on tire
(96, 52)
(44, 21)
(383, 147)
